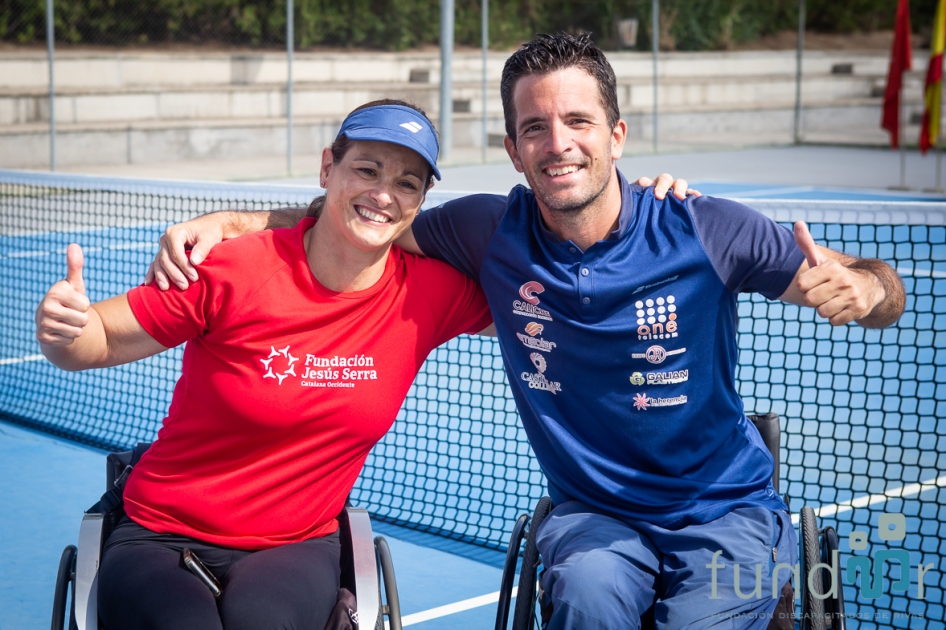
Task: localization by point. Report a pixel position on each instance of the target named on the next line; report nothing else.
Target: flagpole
(939, 164)
(903, 153)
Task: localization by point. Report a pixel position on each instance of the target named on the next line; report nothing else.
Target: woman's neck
(340, 266)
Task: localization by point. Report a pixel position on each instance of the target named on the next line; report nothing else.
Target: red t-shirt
(285, 386)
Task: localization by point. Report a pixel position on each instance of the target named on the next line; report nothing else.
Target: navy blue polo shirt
(622, 358)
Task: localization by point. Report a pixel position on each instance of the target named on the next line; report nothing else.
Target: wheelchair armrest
(87, 571)
(365, 565)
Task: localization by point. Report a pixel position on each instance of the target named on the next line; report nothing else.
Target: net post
(485, 34)
(798, 58)
(290, 44)
(446, 79)
(50, 48)
(655, 28)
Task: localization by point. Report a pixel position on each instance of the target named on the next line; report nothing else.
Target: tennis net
(864, 411)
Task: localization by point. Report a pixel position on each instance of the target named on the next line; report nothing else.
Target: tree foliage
(403, 24)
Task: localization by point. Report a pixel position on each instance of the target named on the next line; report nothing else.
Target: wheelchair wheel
(524, 618)
(834, 606)
(64, 579)
(812, 608)
(509, 571)
(392, 607)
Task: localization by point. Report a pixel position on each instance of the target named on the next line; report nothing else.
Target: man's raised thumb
(807, 244)
(74, 263)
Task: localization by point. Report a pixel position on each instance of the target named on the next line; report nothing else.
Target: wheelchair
(816, 546)
(366, 563)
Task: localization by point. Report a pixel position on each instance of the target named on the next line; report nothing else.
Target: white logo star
(290, 368)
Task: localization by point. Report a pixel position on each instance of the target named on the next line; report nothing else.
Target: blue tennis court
(864, 411)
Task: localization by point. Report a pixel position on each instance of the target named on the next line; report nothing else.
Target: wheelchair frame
(816, 546)
(369, 562)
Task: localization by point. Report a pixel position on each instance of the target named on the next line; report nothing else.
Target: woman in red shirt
(301, 346)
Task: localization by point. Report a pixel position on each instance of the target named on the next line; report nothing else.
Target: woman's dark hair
(343, 143)
(550, 53)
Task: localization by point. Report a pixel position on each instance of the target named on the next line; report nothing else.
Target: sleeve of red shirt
(174, 316)
(457, 302)
(171, 317)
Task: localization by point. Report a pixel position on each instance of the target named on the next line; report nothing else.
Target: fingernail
(182, 286)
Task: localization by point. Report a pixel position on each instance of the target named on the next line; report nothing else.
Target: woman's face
(374, 193)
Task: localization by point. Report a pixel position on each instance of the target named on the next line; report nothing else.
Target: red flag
(900, 61)
(929, 132)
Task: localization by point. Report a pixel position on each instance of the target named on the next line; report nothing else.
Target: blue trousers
(603, 572)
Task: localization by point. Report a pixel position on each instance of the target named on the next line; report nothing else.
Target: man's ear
(618, 137)
(328, 161)
(513, 153)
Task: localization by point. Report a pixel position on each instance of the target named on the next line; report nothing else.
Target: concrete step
(134, 104)
(27, 146)
(93, 70)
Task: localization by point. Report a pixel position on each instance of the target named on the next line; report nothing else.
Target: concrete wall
(150, 106)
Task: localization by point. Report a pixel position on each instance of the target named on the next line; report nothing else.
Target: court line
(921, 272)
(32, 357)
(788, 190)
(452, 609)
(908, 490)
(88, 250)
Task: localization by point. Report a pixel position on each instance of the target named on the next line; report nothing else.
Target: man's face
(564, 146)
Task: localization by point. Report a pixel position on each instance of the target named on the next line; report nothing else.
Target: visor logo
(412, 126)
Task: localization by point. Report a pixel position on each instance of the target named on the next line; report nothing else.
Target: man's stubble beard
(569, 208)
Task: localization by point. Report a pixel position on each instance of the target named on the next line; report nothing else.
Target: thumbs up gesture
(64, 312)
(832, 284)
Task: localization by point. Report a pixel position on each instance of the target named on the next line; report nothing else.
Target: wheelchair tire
(834, 606)
(64, 579)
(393, 606)
(509, 571)
(812, 608)
(524, 618)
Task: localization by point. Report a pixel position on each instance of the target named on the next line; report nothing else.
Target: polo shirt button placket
(584, 274)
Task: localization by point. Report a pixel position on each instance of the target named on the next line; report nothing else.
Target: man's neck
(591, 224)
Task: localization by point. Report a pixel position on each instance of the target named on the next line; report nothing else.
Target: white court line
(767, 191)
(921, 272)
(451, 609)
(26, 254)
(32, 357)
(86, 250)
(908, 490)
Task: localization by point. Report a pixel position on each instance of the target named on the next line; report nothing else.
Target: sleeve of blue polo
(459, 231)
(750, 252)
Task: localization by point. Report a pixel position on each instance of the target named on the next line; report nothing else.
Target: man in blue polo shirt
(616, 316)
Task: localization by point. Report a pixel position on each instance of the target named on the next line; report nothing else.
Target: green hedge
(402, 24)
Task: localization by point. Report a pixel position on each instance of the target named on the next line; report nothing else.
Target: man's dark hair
(549, 53)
